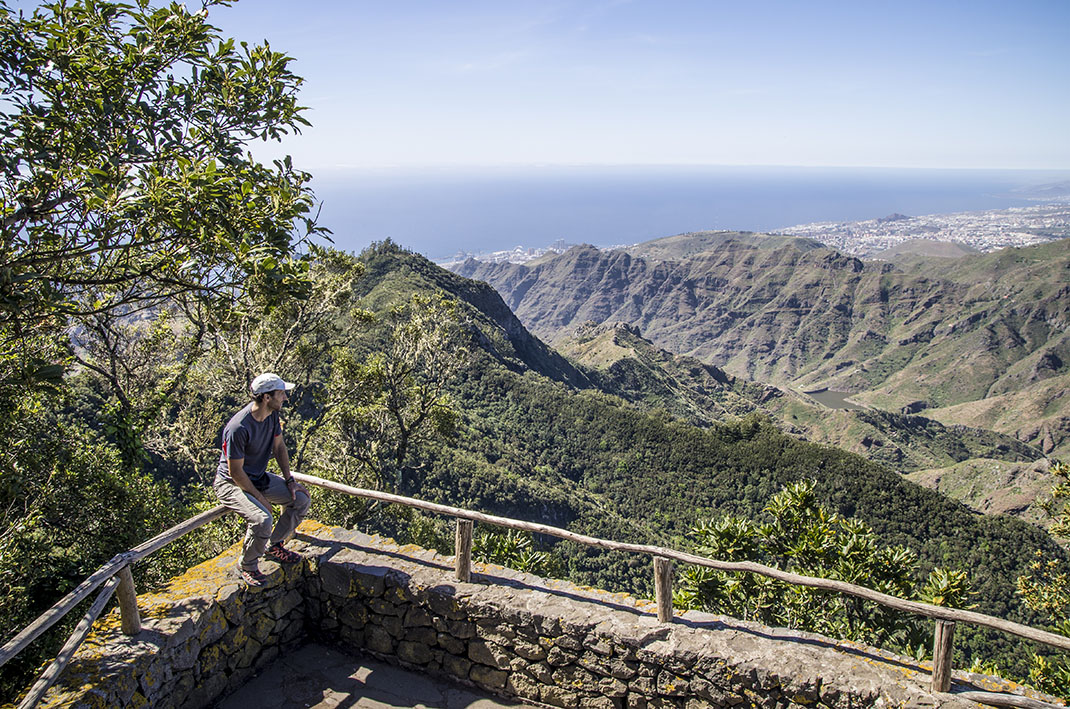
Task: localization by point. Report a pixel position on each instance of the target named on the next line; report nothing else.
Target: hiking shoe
(279, 553)
(253, 577)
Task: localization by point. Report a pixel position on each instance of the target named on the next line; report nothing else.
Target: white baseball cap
(269, 382)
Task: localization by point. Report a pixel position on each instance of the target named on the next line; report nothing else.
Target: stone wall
(507, 632)
(204, 635)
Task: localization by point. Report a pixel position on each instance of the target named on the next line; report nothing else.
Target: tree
(128, 204)
(124, 177)
(398, 395)
(1046, 587)
(803, 537)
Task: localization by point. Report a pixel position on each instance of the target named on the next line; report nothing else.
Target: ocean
(439, 212)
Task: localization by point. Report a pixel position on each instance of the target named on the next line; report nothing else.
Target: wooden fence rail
(116, 574)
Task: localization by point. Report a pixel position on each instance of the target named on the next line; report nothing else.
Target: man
(244, 485)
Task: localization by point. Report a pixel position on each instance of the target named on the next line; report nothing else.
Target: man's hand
(291, 485)
(238, 475)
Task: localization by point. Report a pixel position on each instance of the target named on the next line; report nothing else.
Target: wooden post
(131, 619)
(663, 588)
(942, 646)
(37, 691)
(463, 549)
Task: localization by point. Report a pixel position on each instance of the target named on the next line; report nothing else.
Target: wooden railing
(115, 575)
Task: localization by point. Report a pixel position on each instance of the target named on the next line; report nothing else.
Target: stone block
(704, 689)
(233, 641)
(292, 632)
(248, 654)
(598, 645)
(696, 703)
(266, 656)
(184, 656)
(399, 595)
(456, 666)
(353, 637)
(377, 639)
(391, 624)
(451, 644)
(259, 627)
(541, 671)
(239, 678)
(570, 643)
(608, 666)
(559, 657)
(183, 686)
(206, 691)
(643, 685)
(558, 697)
(461, 629)
(489, 654)
(354, 614)
(523, 686)
(671, 685)
(337, 579)
(211, 661)
(414, 653)
(281, 605)
(488, 677)
(529, 650)
(421, 634)
(155, 676)
(495, 629)
(548, 627)
(445, 606)
(417, 617)
(381, 606)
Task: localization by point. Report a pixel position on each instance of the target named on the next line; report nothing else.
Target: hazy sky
(930, 83)
(860, 83)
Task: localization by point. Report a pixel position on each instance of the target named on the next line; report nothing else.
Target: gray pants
(260, 533)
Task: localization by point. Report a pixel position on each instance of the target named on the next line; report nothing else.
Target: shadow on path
(325, 678)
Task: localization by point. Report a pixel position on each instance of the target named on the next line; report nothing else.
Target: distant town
(981, 231)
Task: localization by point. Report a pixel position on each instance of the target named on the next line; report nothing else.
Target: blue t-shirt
(245, 437)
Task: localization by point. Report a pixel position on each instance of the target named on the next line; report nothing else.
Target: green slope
(631, 366)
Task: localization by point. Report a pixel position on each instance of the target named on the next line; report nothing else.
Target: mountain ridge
(936, 336)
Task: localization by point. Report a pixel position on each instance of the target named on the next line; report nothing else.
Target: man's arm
(236, 468)
(283, 457)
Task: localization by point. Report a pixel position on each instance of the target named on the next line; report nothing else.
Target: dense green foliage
(125, 180)
(1046, 587)
(801, 536)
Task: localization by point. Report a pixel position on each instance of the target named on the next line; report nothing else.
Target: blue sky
(617, 82)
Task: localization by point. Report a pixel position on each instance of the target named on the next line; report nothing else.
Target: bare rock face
(507, 632)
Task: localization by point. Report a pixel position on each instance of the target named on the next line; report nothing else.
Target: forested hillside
(631, 366)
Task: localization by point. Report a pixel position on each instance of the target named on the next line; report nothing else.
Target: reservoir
(833, 399)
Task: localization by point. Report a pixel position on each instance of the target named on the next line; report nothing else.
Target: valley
(969, 356)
